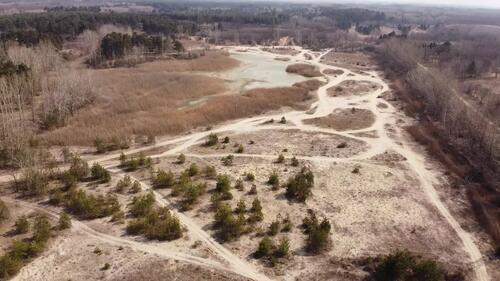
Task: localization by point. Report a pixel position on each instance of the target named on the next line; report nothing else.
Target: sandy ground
(345, 119)
(391, 202)
(75, 256)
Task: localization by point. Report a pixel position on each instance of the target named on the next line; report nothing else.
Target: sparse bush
(56, 197)
(402, 265)
(274, 180)
(64, 221)
(79, 168)
(141, 205)
(283, 120)
(157, 224)
(181, 159)
(113, 144)
(295, 162)
(318, 238)
(193, 170)
(68, 179)
(163, 179)
(118, 217)
(210, 172)
(230, 227)
(287, 224)
(299, 186)
(22, 251)
(191, 194)
(134, 163)
(240, 149)
(274, 228)
(4, 211)
(99, 173)
(266, 246)
(281, 159)
(99, 145)
(41, 229)
(310, 221)
(86, 206)
(123, 183)
(216, 200)
(35, 182)
(136, 187)
(256, 211)
(226, 140)
(241, 208)
(249, 177)
(223, 187)
(253, 190)
(239, 185)
(22, 225)
(228, 160)
(212, 140)
(283, 248)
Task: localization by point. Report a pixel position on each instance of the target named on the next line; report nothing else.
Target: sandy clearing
(389, 138)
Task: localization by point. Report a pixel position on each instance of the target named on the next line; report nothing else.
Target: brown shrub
(303, 69)
(310, 85)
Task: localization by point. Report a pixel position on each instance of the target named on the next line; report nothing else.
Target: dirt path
(80, 227)
(324, 106)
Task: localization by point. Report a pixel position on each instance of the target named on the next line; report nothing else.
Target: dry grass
(211, 61)
(303, 69)
(351, 60)
(333, 72)
(345, 119)
(281, 51)
(310, 85)
(351, 87)
(155, 113)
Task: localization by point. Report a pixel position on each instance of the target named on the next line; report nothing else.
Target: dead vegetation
(282, 51)
(351, 60)
(333, 72)
(303, 69)
(124, 114)
(351, 87)
(310, 85)
(345, 119)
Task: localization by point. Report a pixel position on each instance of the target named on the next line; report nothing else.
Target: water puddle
(259, 71)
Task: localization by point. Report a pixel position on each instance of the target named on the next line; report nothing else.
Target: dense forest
(59, 25)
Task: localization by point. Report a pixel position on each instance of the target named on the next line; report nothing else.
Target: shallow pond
(260, 71)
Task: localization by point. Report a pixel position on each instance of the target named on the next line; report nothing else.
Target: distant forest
(60, 23)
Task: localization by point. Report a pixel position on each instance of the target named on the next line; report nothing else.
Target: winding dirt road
(322, 107)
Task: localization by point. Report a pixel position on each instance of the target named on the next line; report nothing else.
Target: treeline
(451, 127)
(116, 46)
(24, 79)
(345, 18)
(226, 12)
(59, 25)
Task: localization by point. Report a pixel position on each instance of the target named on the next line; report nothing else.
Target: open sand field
(379, 190)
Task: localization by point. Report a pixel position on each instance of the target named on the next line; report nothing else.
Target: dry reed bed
(303, 69)
(151, 115)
